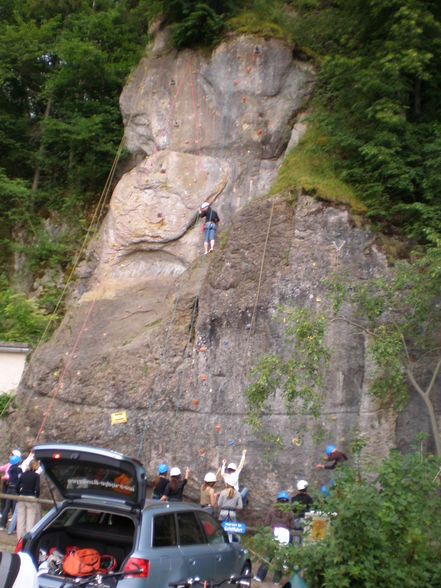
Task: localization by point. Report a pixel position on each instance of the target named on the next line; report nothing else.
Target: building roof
(11, 347)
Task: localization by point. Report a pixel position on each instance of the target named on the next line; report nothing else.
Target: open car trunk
(109, 533)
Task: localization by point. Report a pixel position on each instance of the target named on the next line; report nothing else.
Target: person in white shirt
(232, 473)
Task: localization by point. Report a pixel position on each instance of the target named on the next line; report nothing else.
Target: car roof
(159, 506)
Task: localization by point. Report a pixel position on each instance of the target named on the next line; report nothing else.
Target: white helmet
(205, 205)
(232, 466)
(302, 485)
(210, 477)
(175, 472)
(16, 452)
(230, 480)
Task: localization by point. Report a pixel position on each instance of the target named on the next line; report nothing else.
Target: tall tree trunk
(36, 180)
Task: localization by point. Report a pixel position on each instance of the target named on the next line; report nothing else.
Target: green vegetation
(299, 377)
(377, 103)
(63, 65)
(309, 167)
(385, 530)
(21, 319)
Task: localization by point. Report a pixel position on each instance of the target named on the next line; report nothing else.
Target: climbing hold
(318, 299)
(225, 341)
(202, 349)
(259, 131)
(297, 441)
(187, 142)
(235, 82)
(218, 427)
(78, 373)
(257, 51)
(230, 441)
(244, 99)
(334, 417)
(172, 82)
(201, 451)
(176, 124)
(203, 378)
(195, 401)
(248, 69)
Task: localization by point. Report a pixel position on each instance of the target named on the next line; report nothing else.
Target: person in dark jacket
(335, 457)
(14, 473)
(28, 513)
(302, 503)
(160, 482)
(210, 226)
(175, 488)
(280, 519)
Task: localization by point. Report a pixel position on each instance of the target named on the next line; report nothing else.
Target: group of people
(169, 485)
(20, 477)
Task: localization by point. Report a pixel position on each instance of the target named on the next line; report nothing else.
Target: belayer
(210, 226)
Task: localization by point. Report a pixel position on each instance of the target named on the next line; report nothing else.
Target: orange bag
(82, 562)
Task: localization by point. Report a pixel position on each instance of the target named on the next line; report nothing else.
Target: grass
(309, 167)
(251, 22)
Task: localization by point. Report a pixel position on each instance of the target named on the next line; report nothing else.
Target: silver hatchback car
(152, 544)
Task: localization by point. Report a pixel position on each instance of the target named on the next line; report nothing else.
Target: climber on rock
(334, 457)
(212, 219)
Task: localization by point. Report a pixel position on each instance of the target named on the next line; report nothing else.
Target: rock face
(168, 335)
(200, 128)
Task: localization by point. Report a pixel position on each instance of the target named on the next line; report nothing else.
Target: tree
(384, 530)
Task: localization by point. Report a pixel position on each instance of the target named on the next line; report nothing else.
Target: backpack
(81, 562)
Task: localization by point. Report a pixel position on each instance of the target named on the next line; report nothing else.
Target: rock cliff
(168, 335)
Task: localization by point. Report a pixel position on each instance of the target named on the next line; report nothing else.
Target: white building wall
(11, 369)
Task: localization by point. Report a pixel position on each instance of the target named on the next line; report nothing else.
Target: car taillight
(139, 567)
(19, 545)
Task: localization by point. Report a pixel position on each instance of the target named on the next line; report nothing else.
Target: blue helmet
(162, 468)
(324, 491)
(283, 495)
(14, 460)
(329, 450)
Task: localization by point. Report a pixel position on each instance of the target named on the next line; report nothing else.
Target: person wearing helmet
(334, 457)
(14, 473)
(281, 520)
(233, 472)
(4, 474)
(175, 487)
(229, 500)
(210, 226)
(208, 496)
(160, 481)
(302, 501)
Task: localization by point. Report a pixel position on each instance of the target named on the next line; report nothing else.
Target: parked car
(104, 508)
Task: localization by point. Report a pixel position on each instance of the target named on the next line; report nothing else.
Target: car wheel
(246, 571)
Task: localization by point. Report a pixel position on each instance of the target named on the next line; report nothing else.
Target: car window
(212, 529)
(164, 531)
(190, 532)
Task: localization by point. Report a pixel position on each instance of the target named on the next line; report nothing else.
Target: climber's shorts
(209, 232)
